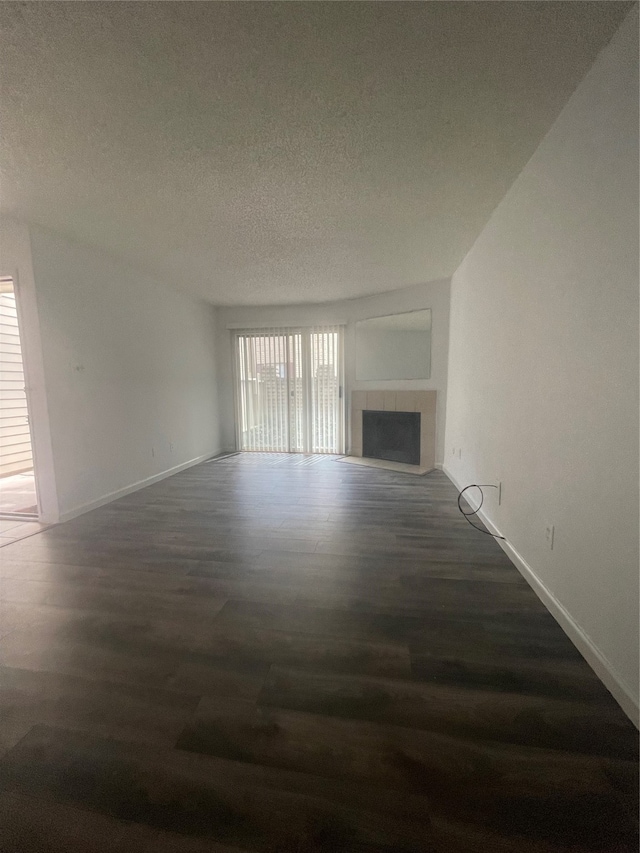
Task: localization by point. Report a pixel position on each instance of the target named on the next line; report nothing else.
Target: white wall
(434, 295)
(129, 366)
(543, 366)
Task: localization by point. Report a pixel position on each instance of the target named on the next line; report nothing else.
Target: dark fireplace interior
(391, 435)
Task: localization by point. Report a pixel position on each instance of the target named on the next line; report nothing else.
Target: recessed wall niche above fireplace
(379, 430)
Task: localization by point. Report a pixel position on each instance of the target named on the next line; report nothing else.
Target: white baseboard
(134, 487)
(602, 667)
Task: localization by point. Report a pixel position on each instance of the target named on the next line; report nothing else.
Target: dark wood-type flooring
(286, 654)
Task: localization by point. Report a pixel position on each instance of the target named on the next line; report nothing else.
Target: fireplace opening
(394, 436)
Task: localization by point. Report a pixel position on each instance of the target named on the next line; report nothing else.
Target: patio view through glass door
(289, 389)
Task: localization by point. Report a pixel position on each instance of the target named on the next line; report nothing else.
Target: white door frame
(17, 265)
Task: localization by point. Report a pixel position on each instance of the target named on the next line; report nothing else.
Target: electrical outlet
(549, 535)
(459, 453)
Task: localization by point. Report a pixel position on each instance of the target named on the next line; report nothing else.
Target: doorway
(289, 389)
(18, 493)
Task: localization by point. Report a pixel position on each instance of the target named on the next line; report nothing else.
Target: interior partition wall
(289, 389)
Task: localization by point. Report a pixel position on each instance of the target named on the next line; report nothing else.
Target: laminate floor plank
(390, 756)
(272, 653)
(506, 717)
(144, 714)
(52, 827)
(206, 797)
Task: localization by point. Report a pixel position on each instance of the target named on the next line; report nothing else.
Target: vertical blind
(15, 439)
(289, 389)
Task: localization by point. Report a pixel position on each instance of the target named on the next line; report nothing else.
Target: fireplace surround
(422, 403)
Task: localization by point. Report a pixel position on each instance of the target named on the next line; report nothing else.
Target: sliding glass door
(289, 389)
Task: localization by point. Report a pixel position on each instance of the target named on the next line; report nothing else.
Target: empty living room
(319, 427)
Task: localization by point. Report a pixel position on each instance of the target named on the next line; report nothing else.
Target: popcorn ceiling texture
(265, 153)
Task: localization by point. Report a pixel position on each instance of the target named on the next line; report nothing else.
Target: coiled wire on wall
(473, 512)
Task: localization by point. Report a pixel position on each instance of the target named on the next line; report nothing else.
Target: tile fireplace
(398, 426)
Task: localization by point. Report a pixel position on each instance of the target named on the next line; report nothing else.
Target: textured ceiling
(263, 152)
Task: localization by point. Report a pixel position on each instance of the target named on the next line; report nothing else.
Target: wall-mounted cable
(473, 512)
